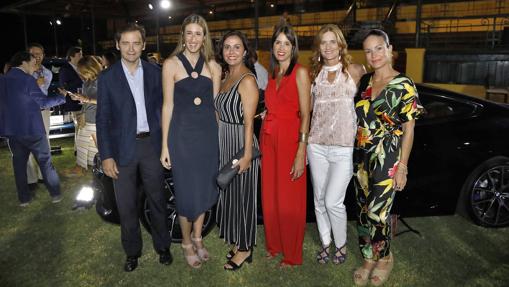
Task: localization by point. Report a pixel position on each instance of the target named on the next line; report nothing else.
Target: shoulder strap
(185, 62)
(199, 64)
(236, 86)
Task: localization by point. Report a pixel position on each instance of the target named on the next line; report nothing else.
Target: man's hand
(110, 168)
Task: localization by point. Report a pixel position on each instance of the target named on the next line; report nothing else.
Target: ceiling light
(58, 22)
(165, 4)
(150, 6)
(271, 5)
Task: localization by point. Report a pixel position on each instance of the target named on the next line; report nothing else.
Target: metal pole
(256, 24)
(494, 36)
(25, 30)
(157, 32)
(55, 36)
(92, 14)
(418, 23)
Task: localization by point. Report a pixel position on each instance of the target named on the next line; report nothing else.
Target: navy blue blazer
(69, 79)
(116, 112)
(21, 101)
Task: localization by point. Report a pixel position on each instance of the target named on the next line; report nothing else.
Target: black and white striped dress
(236, 208)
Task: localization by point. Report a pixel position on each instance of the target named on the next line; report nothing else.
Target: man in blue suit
(128, 121)
(21, 101)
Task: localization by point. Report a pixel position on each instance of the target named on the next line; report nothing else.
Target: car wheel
(487, 193)
(173, 222)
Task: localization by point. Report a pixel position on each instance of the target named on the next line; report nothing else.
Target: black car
(459, 163)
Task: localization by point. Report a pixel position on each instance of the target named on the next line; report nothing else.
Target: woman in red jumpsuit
(284, 137)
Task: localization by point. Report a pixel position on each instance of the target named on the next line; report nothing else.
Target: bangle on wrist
(303, 137)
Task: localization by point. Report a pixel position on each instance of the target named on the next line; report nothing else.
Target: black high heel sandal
(234, 265)
(230, 254)
(341, 258)
(322, 256)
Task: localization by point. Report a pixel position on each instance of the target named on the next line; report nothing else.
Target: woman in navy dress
(191, 78)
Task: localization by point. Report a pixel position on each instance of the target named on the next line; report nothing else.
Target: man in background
(43, 76)
(70, 80)
(21, 101)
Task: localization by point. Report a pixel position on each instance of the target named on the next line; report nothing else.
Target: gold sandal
(380, 274)
(192, 260)
(361, 274)
(202, 251)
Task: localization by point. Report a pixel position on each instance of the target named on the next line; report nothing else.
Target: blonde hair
(316, 59)
(206, 50)
(89, 67)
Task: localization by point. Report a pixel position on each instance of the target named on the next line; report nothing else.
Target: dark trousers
(21, 147)
(147, 167)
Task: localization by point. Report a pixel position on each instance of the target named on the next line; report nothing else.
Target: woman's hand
(244, 164)
(298, 166)
(400, 178)
(165, 158)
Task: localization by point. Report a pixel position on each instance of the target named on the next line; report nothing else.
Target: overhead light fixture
(271, 5)
(58, 22)
(150, 6)
(165, 4)
(169, 17)
(211, 12)
(51, 23)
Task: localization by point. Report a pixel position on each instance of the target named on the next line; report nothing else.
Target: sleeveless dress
(193, 142)
(236, 208)
(283, 200)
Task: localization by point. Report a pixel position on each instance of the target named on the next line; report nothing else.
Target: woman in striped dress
(236, 106)
(89, 68)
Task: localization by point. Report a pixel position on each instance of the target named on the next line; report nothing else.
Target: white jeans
(331, 171)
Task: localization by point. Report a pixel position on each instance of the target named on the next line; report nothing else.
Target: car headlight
(84, 198)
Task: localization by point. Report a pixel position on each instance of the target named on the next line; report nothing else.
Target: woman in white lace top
(331, 138)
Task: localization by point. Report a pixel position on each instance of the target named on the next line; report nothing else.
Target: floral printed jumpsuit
(378, 149)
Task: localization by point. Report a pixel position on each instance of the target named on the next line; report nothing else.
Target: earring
(319, 58)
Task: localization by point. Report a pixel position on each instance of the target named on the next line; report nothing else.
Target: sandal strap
(322, 256)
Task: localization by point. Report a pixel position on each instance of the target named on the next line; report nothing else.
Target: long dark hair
(249, 58)
(292, 37)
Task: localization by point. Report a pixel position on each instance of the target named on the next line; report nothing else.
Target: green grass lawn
(48, 244)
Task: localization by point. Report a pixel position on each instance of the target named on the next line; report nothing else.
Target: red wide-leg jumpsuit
(283, 200)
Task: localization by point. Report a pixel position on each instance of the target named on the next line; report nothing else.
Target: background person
(331, 137)
(108, 58)
(43, 77)
(283, 143)
(191, 78)
(387, 106)
(89, 68)
(21, 122)
(236, 106)
(129, 101)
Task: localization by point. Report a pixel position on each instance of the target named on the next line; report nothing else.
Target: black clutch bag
(227, 173)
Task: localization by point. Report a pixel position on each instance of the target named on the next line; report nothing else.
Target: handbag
(227, 173)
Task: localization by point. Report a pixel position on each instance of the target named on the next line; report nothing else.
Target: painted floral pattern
(378, 144)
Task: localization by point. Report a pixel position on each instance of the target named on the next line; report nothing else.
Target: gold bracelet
(303, 137)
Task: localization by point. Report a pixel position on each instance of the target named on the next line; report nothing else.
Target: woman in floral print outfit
(387, 106)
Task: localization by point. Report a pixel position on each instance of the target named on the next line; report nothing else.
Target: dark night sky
(40, 30)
